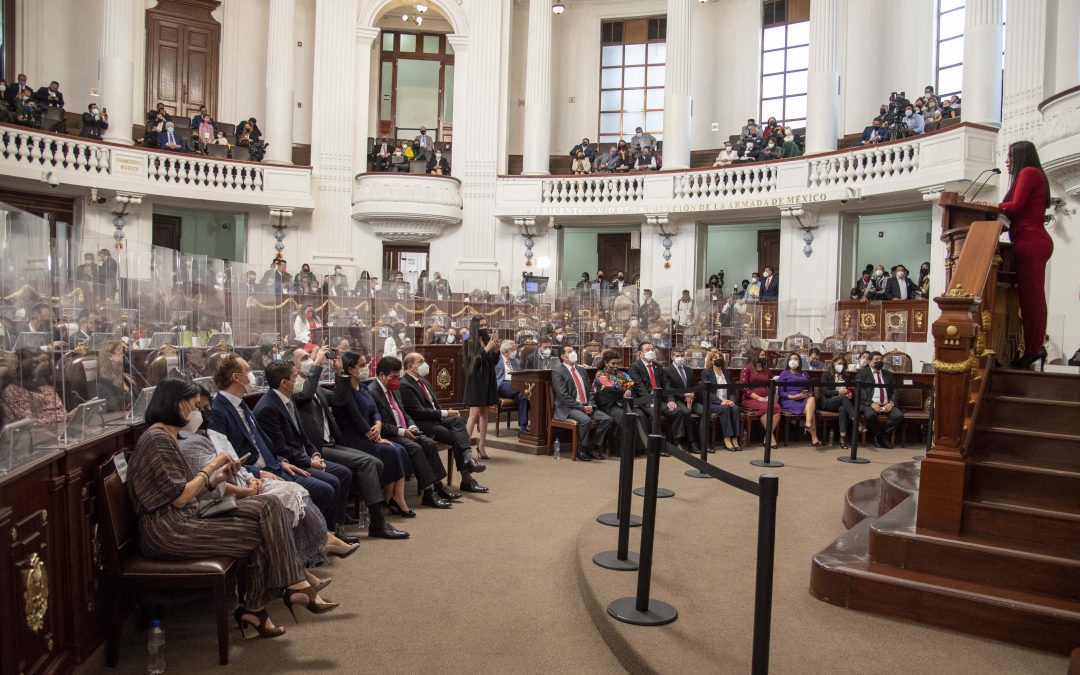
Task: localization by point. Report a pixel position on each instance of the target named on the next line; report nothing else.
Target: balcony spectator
(929, 95)
(647, 160)
(155, 124)
(27, 112)
(251, 127)
(426, 144)
(771, 128)
(398, 161)
(609, 162)
(932, 115)
(204, 133)
(772, 150)
(50, 96)
(954, 108)
(862, 286)
(790, 147)
(873, 133)
(914, 123)
(900, 287)
(93, 122)
(581, 165)
(380, 154)
(878, 284)
(750, 124)
(726, 156)
(170, 139)
(222, 140)
(643, 140)
(750, 153)
(752, 135)
(770, 288)
(924, 279)
(13, 94)
(306, 274)
(438, 165)
(197, 120)
(626, 161)
(585, 148)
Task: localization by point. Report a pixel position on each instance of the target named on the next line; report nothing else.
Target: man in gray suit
(574, 400)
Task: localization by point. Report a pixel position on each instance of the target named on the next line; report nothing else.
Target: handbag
(216, 506)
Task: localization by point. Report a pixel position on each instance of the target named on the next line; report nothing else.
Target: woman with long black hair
(1025, 204)
(481, 354)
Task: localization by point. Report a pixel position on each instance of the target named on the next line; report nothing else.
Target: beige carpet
(492, 586)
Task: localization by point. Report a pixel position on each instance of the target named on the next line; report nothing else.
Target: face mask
(925, 270)
(558, 337)
(306, 366)
(485, 334)
(878, 273)
(298, 383)
(679, 361)
(438, 155)
(772, 145)
(649, 356)
(545, 353)
(423, 369)
(839, 367)
(793, 363)
(449, 339)
(194, 421)
(879, 365)
(251, 379)
(401, 336)
(901, 275)
(762, 362)
(572, 357)
(394, 384)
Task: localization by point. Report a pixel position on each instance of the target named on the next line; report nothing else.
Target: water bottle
(558, 449)
(155, 646)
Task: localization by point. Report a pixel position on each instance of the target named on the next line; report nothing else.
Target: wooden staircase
(1013, 571)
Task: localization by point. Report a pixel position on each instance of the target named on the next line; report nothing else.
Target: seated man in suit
(879, 399)
(170, 139)
(380, 154)
(504, 370)
(679, 407)
(900, 287)
(647, 376)
(879, 284)
(438, 165)
(444, 425)
(396, 425)
(574, 400)
(873, 133)
(542, 357)
(327, 482)
(313, 405)
(231, 416)
(770, 286)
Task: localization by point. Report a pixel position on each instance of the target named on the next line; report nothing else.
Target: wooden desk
(888, 320)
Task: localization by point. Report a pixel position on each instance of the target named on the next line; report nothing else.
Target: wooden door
(166, 231)
(182, 47)
(614, 254)
(768, 249)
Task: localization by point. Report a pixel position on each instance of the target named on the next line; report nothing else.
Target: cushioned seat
(137, 565)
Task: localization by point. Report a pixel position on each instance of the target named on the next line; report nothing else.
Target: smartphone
(331, 354)
(244, 459)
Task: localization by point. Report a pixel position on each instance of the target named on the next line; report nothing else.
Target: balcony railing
(594, 189)
(26, 153)
(865, 165)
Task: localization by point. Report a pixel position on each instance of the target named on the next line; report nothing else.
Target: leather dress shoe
(387, 531)
(885, 442)
(434, 501)
(694, 449)
(473, 466)
(347, 538)
(583, 455)
(474, 487)
(447, 494)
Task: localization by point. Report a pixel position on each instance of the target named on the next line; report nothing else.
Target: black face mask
(485, 334)
(878, 366)
(762, 362)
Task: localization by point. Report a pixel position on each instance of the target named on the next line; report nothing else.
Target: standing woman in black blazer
(481, 353)
(838, 396)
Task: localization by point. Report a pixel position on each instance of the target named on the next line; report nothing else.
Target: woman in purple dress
(796, 394)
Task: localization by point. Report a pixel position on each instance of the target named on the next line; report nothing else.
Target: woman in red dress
(1025, 204)
(755, 399)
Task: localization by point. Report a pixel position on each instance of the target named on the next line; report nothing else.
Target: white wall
(894, 239)
(732, 247)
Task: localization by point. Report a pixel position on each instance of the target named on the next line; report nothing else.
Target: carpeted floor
(497, 585)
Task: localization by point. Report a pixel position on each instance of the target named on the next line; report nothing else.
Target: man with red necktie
(647, 376)
(574, 400)
(877, 400)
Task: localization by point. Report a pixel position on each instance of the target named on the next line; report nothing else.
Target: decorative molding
(932, 193)
(405, 229)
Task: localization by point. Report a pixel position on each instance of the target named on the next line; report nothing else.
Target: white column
(331, 133)
(982, 62)
(1026, 62)
(823, 78)
(117, 67)
(536, 149)
(365, 40)
(677, 100)
(1066, 55)
(279, 81)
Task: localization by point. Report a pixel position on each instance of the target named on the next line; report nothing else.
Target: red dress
(761, 378)
(1032, 247)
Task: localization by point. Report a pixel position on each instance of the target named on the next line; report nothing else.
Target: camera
(331, 354)
(49, 178)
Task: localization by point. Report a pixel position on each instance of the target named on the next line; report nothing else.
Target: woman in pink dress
(755, 400)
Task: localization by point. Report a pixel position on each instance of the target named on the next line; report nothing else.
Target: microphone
(993, 171)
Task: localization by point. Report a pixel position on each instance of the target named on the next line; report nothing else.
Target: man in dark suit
(438, 164)
(276, 279)
(504, 373)
(171, 139)
(873, 133)
(107, 272)
(250, 284)
(50, 96)
(770, 286)
(444, 425)
(678, 407)
(574, 400)
(879, 399)
(585, 148)
(276, 416)
(93, 123)
(380, 154)
(13, 94)
(313, 406)
(649, 312)
(231, 416)
(542, 358)
(900, 287)
(399, 427)
(648, 376)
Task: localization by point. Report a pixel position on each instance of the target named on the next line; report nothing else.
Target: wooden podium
(535, 385)
(957, 216)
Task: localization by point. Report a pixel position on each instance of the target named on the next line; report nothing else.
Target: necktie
(327, 436)
(292, 415)
(881, 388)
(171, 140)
(397, 411)
(249, 426)
(427, 394)
(578, 384)
(652, 378)
(903, 289)
(682, 375)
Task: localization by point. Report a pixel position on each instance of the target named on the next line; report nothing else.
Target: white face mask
(194, 421)
(251, 379)
(901, 275)
(306, 366)
(545, 353)
(449, 339)
(423, 369)
(839, 367)
(679, 361)
(572, 357)
(793, 363)
(298, 383)
(878, 273)
(649, 356)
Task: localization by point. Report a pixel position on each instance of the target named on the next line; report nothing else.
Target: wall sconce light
(660, 221)
(281, 213)
(527, 225)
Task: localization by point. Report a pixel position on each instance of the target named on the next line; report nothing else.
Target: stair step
(862, 500)
(895, 541)
(899, 482)
(1032, 412)
(1056, 530)
(842, 574)
(1029, 446)
(1042, 487)
(1029, 384)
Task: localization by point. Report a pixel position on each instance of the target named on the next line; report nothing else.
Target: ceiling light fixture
(421, 7)
(558, 8)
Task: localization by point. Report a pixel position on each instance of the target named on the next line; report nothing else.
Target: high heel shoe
(311, 601)
(260, 627)
(396, 510)
(482, 454)
(340, 550)
(1025, 362)
(806, 432)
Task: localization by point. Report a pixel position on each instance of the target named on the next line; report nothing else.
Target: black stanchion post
(641, 610)
(853, 455)
(704, 431)
(768, 461)
(662, 493)
(622, 559)
(763, 586)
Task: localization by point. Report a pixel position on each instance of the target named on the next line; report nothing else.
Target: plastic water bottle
(155, 647)
(558, 449)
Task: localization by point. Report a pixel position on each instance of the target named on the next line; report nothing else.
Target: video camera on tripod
(893, 122)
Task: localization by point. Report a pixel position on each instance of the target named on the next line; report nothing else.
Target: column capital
(282, 212)
(931, 193)
(458, 41)
(657, 219)
(369, 34)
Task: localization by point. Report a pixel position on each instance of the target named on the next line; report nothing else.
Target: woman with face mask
(838, 396)
(924, 279)
(113, 384)
(796, 394)
(481, 354)
(722, 401)
(611, 387)
(304, 325)
(755, 399)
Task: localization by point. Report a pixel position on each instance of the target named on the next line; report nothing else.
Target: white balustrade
(596, 189)
(196, 170)
(857, 167)
(735, 181)
(28, 146)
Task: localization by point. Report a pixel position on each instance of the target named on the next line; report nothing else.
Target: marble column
(677, 100)
(117, 68)
(1066, 55)
(536, 148)
(331, 134)
(823, 78)
(1026, 59)
(982, 62)
(365, 40)
(279, 81)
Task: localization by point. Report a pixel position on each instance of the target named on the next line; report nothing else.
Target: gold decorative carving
(950, 263)
(85, 492)
(951, 330)
(919, 317)
(44, 516)
(766, 319)
(36, 594)
(867, 320)
(95, 548)
(443, 380)
(529, 386)
(996, 260)
(896, 321)
(14, 534)
(846, 320)
(958, 291)
(951, 368)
